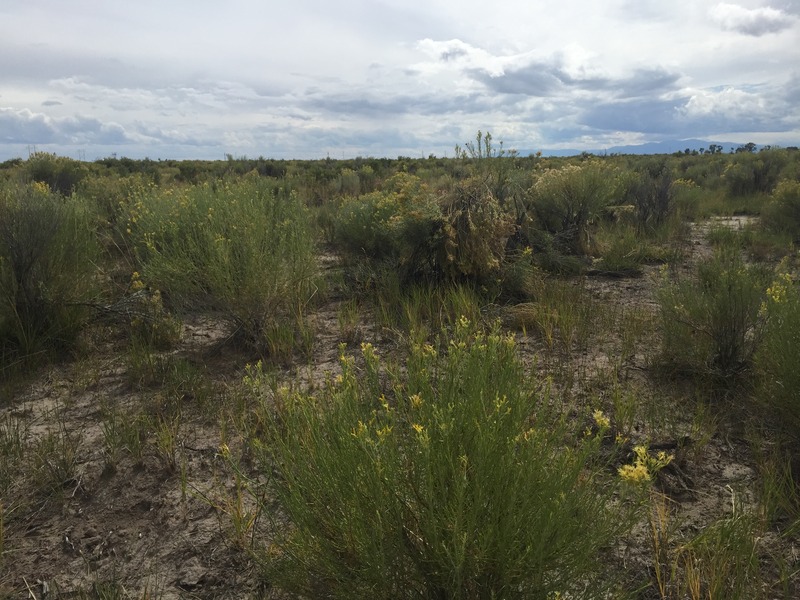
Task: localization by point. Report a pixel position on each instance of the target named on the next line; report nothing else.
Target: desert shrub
(47, 273)
(652, 196)
(476, 231)
(782, 213)
(565, 202)
(400, 224)
(749, 173)
(460, 237)
(448, 480)
(244, 249)
(59, 173)
(711, 324)
(621, 251)
(779, 355)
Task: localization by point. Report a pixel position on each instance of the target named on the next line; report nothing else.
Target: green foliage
(750, 173)
(712, 324)
(244, 249)
(47, 270)
(461, 238)
(565, 202)
(779, 355)
(782, 213)
(400, 224)
(450, 481)
(652, 196)
(59, 173)
(622, 251)
(723, 560)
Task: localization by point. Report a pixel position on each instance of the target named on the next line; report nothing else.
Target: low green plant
(521, 278)
(712, 324)
(723, 560)
(423, 309)
(622, 252)
(55, 461)
(347, 317)
(166, 428)
(779, 497)
(453, 479)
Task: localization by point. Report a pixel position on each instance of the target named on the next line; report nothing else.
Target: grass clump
(712, 324)
(453, 479)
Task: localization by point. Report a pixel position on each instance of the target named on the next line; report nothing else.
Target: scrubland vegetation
(489, 376)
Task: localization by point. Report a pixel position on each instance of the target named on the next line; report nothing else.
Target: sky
(180, 79)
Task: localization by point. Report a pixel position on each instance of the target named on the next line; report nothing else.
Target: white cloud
(729, 102)
(755, 21)
(388, 77)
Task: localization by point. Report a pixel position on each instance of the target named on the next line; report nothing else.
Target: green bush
(59, 173)
(782, 213)
(452, 478)
(244, 249)
(712, 324)
(652, 195)
(48, 254)
(400, 224)
(750, 173)
(565, 202)
(461, 237)
(779, 355)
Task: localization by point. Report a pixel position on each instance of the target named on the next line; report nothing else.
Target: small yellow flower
(418, 428)
(635, 473)
(416, 401)
(225, 451)
(603, 422)
(360, 430)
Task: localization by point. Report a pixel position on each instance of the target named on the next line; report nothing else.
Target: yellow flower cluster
(644, 465)
(40, 187)
(136, 282)
(779, 289)
(601, 419)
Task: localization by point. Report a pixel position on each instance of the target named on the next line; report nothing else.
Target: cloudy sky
(343, 78)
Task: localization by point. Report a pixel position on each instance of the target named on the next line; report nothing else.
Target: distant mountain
(666, 147)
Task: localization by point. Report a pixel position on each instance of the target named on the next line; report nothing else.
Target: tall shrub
(48, 255)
